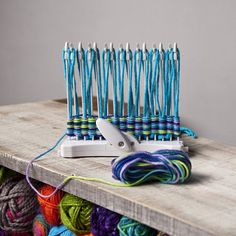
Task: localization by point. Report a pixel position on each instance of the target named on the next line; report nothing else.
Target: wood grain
(204, 206)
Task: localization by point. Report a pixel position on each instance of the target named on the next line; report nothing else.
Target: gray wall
(32, 34)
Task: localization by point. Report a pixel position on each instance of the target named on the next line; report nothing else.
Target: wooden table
(204, 206)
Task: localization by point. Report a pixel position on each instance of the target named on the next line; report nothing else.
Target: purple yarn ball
(104, 222)
(2, 233)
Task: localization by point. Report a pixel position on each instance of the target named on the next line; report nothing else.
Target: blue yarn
(154, 79)
(146, 85)
(64, 63)
(129, 227)
(188, 132)
(69, 84)
(60, 231)
(40, 156)
(165, 82)
(105, 69)
(73, 80)
(169, 82)
(89, 69)
(117, 66)
(99, 83)
(83, 78)
(165, 166)
(137, 77)
(162, 82)
(121, 74)
(115, 99)
(176, 77)
(129, 67)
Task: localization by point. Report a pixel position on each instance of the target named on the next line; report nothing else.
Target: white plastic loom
(114, 141)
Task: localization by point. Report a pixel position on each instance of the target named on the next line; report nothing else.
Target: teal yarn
(129, 227)
(60, 231)
(187, 131)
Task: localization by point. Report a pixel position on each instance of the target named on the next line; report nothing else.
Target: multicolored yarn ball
(129, 227)
(60, 231)
(40, 226)
(104, 222)
(18, 207)
(6, 173)
(165, 166)
(75, 213)
(49, 206)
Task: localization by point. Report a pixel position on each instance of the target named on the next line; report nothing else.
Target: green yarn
(129, 227)
(6, 173)
(75, 213)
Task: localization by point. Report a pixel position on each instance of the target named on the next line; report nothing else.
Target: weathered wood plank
(205, 206)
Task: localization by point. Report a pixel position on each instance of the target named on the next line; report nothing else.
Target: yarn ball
(40, 226)
(104, 222)
(129, 227)
(6, 173)
(18, 206)
(2, 233)
(75, 213)
(49, 206)
(60, 231)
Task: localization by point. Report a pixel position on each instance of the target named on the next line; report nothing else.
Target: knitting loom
(150, 81)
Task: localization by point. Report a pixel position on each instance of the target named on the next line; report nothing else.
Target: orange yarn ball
(49, 206)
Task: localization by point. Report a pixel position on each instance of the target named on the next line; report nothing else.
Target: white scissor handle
(113, 135)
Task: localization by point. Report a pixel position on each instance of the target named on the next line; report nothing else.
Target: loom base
(101, 148)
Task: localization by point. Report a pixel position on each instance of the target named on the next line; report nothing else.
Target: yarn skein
(18, 206)
(75, 213)
(40, 226)
(49, 206)
(129, 227)
(165, 166)
(60, 231)
(104, 222)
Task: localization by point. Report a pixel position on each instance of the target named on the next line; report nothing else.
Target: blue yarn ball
(60, 231)
(129, 227)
